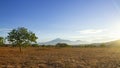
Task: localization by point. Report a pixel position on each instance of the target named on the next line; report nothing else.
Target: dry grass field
(60, 57)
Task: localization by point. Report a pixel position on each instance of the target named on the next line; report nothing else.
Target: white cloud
(5, 29)
(91, 31)
(97, 35)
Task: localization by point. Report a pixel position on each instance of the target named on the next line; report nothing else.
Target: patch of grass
(34, 57)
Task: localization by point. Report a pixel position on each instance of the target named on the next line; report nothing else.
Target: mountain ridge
(59, 40)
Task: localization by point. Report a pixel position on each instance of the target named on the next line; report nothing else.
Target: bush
(35, 45)
(102, 45)
(1, 41)
(62, 45)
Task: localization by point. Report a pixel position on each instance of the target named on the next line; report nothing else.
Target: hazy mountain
(58, 40)
(113, 43)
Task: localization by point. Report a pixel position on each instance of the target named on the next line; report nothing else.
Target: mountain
(78, 42)
(113, 43)
(58, 40)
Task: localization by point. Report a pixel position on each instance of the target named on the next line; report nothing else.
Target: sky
(87, 20)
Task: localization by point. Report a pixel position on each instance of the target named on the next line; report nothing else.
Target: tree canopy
(21, 37)
(1, 40)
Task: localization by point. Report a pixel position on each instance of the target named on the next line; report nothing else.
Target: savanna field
(40, 57)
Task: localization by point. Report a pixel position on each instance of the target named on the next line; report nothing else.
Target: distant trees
(1, 41)
(62, 45)
(102, 45)
(21, 37)
(35, 45)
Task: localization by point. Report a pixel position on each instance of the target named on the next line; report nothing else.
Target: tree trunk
(20, 47)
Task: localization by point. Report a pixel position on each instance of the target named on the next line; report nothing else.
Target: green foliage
(49, 46)
(62, 45)
(42, 45)
(102, 45)
(35, 45)
(91, 45)
(21, 37)
(1, 41)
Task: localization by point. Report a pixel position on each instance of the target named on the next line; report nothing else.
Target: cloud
(97, 35)
(5, 29)
(91, 31)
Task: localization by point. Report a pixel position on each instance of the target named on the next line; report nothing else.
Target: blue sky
(88, 20)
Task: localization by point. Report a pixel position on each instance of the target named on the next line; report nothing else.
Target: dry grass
(60, 58)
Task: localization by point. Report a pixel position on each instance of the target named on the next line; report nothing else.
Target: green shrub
(35, 45)
(62, 45)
